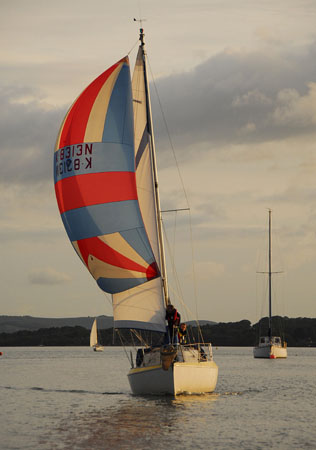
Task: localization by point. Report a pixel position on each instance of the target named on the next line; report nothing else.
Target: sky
(235, 112)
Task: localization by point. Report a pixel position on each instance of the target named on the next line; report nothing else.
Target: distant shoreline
(299, 332)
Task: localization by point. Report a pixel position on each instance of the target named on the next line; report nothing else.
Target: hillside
(12, 324)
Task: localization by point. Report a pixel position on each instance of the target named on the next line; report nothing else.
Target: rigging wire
(178, 293)
(183, 188)
(174, 233)
(136, 43)
(139, 336)
(107, 297)
(122, 343)
(168, 133)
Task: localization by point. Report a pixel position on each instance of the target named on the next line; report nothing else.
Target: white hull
(181, 377)
(270, 351)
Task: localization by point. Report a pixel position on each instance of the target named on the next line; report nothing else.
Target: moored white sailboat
(94, 341)
(270, 346)
(106, 186)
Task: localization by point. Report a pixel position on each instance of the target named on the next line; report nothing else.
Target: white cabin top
(266, 340)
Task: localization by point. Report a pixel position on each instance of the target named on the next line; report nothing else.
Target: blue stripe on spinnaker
(119, 125)
(105, 218)
(104, 157)
(138, 240)
(141, 148)
(115, 285)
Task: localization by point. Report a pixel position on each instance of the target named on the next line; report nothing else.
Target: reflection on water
(146, 422)
(70, 399)
(196, 399)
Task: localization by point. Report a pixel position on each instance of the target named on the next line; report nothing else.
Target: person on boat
(139, 357)
(173, 318)
(182, 333)
(203, 356)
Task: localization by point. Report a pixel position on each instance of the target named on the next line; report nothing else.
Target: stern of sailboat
(192, 370)
(270, 348)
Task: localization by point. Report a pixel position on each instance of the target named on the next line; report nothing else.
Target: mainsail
(143, 307)
(95, 184)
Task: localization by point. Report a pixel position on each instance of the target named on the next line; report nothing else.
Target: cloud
(28, 129)
(241, 96)
(208, 269)
(47, 276)
(234, 97)
(294, 109)
(252, 98)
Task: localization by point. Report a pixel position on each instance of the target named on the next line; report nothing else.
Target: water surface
(74, 398)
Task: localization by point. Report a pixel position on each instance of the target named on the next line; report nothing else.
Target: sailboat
(270, 346)
(106, 186)
(94, 341)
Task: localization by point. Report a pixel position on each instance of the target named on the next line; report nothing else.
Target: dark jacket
(173, 318)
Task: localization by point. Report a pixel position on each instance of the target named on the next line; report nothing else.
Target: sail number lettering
(73, 157)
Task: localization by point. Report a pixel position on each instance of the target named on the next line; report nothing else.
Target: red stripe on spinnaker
(95, 188)
(152, 271)
(76, 122)
(96, 248)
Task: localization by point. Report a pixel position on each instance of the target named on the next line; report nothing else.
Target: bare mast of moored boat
(270, 280)
(270, 273)
(270, 346)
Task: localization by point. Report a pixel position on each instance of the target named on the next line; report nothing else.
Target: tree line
(299, 332)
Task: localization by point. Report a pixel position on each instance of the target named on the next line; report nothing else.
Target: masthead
(141, 30)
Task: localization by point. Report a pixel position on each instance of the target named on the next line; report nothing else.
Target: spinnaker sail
(95, 184)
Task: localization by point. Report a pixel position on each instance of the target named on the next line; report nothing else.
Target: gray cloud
(35, 234)
(233, 97)
(28, 131)
(240, 96)
(47, 276)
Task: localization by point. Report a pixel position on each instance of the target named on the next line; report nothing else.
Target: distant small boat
(97, 347)
(270, 346)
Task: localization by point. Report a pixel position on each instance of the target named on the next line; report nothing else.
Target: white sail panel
(140, 308)
(143, 306)
(144, 176)
(97, 116)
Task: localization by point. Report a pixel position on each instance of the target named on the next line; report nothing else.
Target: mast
(270, 277)
(155, 173)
